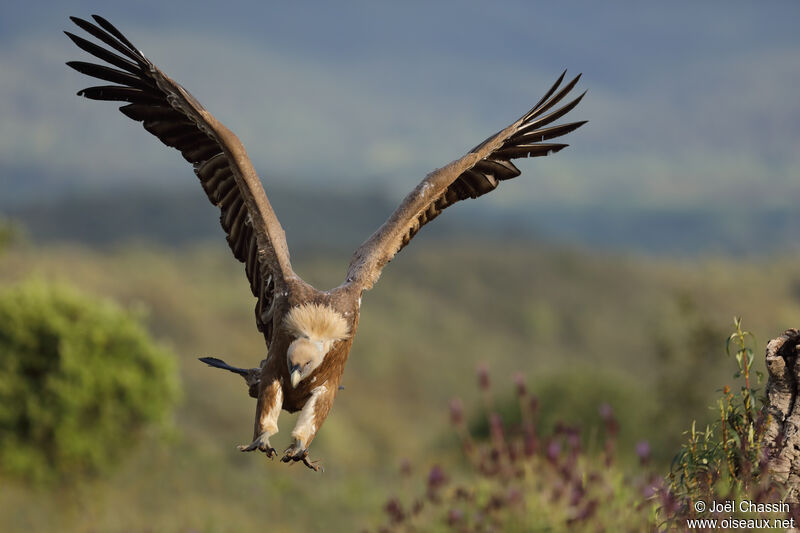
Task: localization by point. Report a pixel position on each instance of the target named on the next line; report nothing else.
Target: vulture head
(315, 329)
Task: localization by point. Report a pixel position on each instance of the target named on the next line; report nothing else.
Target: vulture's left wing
(169, 112)
(475, 174)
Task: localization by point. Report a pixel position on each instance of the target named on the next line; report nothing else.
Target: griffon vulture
(308, 332)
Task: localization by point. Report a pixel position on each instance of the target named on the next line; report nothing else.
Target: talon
(313, 465)
(297, 453)
(261, 443)
(293, 459)
(296, 456)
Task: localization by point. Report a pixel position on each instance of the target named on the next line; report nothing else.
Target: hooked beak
(295, 376)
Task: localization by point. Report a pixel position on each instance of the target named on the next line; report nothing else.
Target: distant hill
(313, 218)
(341, 219)
(184, 215)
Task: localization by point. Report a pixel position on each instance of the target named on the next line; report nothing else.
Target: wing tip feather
(106, 25)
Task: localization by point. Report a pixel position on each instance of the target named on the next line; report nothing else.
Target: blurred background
(608, 273)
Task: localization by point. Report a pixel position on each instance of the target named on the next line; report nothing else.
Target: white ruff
(316, 323)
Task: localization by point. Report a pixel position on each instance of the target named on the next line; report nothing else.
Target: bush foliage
(728, 460)
(518, 477)
(80, 378)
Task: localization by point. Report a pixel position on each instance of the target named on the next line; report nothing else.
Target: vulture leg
(269, 406)
(311, 418)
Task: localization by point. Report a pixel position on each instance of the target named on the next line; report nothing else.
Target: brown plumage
(308, 332)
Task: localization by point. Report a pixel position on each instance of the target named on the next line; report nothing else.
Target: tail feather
(219, 363)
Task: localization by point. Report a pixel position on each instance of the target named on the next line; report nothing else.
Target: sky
(690, 103)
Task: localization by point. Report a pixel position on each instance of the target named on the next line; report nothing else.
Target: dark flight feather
(169, 112)
(477, 173)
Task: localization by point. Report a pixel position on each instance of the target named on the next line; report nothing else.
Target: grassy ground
(645, 335)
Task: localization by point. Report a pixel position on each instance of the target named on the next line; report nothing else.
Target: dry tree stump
(782, 434)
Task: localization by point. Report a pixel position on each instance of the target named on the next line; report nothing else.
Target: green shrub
(80, 379)
(729, 459)
(9, 233)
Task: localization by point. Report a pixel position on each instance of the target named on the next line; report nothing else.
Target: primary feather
(477, 173)
(174, 116)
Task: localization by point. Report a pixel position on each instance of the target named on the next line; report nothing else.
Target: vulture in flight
(308, 332)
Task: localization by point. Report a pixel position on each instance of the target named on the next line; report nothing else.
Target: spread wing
(169, 112)
(477, 173)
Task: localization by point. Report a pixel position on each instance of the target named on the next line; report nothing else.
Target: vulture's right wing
(479, 172)
(169, 112)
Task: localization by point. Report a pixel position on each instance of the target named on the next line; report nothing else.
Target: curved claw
(296, 452)
(261, 443)
(296, 456)
(313, 465)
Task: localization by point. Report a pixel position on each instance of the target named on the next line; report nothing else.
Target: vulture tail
(219, 363)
